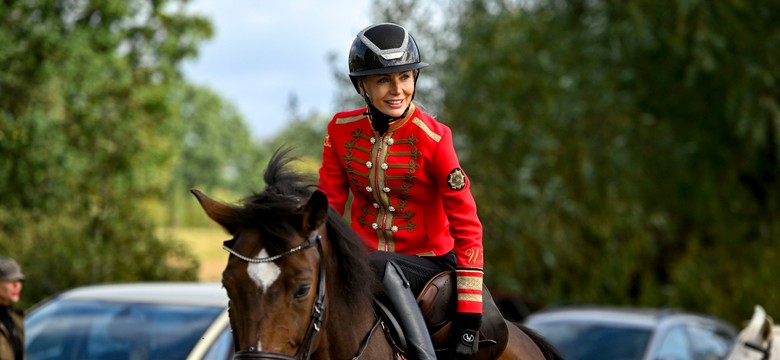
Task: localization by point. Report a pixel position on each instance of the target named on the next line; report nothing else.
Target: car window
(709, 344)
(108, 330)
(674, 345)
(222, 349)
(591, 341)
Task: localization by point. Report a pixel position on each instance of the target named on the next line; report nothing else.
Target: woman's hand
(465, 334)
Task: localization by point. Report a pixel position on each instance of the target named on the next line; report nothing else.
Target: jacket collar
(395, 125)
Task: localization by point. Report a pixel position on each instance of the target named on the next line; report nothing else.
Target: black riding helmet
(382, 49)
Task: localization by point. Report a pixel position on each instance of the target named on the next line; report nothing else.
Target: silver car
(132, 321)
(602, 333)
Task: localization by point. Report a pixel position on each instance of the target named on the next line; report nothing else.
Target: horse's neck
(347, 327)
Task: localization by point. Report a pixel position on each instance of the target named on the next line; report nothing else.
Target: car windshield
(594, 341)
(111, 330)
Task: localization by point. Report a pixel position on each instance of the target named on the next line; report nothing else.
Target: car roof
(626, 316)
(184, 293)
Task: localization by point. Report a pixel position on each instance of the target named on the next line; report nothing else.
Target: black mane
(276, 209)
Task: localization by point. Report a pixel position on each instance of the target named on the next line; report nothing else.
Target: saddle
(437, 303)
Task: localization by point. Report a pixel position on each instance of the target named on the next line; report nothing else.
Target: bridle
(317, 311)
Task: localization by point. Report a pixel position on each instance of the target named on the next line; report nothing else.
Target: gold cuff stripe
(436, 137)
(470, 282)
(470, 297)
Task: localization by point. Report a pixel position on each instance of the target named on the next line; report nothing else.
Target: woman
(411, 201)
(11, 320)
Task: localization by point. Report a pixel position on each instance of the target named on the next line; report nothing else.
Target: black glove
(465, 334)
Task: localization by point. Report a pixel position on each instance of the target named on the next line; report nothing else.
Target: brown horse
(299, 282)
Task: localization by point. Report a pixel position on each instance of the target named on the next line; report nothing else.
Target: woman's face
(390, 93)
(9, 291)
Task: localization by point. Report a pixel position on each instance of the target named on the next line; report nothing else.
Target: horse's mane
(282, 200)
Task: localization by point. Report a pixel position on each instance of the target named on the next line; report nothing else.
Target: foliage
(86, 120)
(216, 154)
(305, 135)
(621, 152)
(627, 149)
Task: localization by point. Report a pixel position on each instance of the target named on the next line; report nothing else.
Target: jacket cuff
(469, 286)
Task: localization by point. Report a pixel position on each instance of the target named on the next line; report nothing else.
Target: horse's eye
(302, 291)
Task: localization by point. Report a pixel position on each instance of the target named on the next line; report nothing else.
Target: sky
(263, 51)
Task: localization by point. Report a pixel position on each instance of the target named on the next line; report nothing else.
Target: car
(612, 333)
(159, 320)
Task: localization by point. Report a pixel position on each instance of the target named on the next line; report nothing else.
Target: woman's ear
(361, 87)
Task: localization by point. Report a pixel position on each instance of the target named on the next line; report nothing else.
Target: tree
(304, 134)
(86, 125)
(216, 153)
(627, 149)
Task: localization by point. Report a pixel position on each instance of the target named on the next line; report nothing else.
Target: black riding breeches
(417, 269)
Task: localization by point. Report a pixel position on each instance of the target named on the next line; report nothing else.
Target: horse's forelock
(278, 208)
(281, 178)
(276, 217)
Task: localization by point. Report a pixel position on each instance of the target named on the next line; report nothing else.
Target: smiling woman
(390, 93)
(411, 200)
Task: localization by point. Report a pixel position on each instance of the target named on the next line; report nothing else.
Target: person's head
(384, 63)
(11, 278)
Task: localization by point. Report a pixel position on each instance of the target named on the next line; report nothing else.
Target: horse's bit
(317, 311)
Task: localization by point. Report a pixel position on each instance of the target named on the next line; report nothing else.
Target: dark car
(602, 333)
(132, 321)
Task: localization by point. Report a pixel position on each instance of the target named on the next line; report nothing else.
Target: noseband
(317, 311)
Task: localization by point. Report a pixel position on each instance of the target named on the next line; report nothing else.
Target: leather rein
(317, 311)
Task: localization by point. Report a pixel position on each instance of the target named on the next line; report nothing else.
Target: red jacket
(409, 193)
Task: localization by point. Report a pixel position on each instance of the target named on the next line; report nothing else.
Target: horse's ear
(221, 213)
(315, 211)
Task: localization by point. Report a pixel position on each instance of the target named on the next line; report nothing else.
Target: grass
(206, 244)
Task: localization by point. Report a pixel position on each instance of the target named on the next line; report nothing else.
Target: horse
(299, 282)
(759, 340)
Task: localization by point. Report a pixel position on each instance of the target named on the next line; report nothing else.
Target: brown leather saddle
(437, 304)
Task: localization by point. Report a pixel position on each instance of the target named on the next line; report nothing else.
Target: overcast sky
(264, 51)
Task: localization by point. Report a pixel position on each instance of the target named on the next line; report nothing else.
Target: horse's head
(274, 274)
(286, 242)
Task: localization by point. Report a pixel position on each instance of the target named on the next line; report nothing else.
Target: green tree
(304, 134)
(86, 125)
(627, 149)
(216, 153)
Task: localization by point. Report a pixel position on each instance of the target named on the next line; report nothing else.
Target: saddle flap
(437, 304)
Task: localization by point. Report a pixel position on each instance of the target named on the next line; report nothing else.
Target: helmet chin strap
(379, 120)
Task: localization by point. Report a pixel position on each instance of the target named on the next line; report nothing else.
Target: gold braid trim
(436, 137)
(350, 119)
